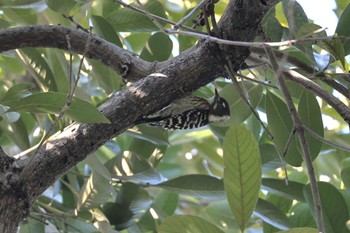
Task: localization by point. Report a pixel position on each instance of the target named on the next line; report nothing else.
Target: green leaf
(105, 29)
(345, 172)
(281, 126)
(335, 210)
(220, 214)
(127, 20)
(96, 191)
(343, 28)
(187, 224)
(295, 15)
(132, 167)
(157, 136)
(202, 186)
(53, 102)
(131, 204)
(242, 173)
(62, 6)
(271, 25)
(293, 190)
(40, 69)
(310, 114)
(302, 216)
(16, 92)
(59, 67)
(300, 230)
(239, 109)
(166, 202)
(158, 48)
(32, 225)
(272, 215)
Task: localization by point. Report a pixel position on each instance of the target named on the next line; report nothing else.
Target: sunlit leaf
(96, 191)
(242, 173)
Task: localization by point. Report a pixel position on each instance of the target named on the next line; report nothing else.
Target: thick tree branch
(125, 63)
(170, 80)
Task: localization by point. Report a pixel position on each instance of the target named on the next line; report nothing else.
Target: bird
(189, 112)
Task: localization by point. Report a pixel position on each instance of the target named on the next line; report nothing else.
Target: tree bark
(159, 84)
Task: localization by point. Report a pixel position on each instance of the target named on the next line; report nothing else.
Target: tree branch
(170, 80)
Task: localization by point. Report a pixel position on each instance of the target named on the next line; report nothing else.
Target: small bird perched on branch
(189, 112)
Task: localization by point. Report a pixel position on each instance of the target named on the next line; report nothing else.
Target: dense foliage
(221, 178)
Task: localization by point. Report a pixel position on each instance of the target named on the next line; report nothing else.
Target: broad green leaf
(242, 173)
(107, 78)
(202, 186)
(271, 25)
(239, 109)
(62, 6)
(343, 28)
(16, 92)
(187, 224)
(79, 225)
(32, 225)
(302, 216)
(105, 29)
(131, 204)
(293, 190)
(158, 48)
(157, 136)
(40, 69)
(97, 166)
(132, 167)
(295, 15)
(53, 102)
(281, 126)
(220, 214)
(345, 172)
(269, 157)
(59, 67)
(310, 114)
(300, 230)
(166, 203)
(96, 191)
(335, 209)
(21, 16)
(126, 20)
(272, 215)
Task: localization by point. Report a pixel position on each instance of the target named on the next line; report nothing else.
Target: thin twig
(289, 141)
(322, 139)
(258, 81)
(189, 15)
(152, 18)
(302, 139)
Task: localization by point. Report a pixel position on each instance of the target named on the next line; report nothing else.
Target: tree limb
(162, 83)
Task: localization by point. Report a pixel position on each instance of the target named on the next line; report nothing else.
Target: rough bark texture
(185, 73)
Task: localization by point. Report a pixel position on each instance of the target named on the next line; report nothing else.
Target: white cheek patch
(213, 118)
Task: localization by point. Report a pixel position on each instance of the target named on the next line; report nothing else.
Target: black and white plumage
(189, 112)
